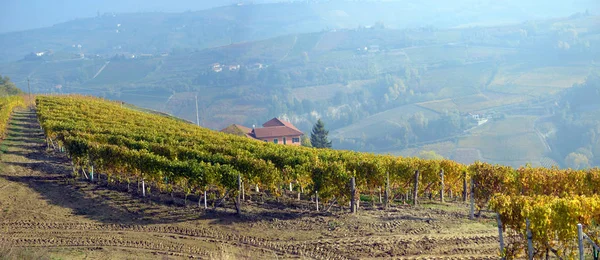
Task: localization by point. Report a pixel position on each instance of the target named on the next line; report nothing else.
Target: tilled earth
(42, 208)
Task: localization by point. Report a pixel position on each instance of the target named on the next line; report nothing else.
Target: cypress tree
(318, 137)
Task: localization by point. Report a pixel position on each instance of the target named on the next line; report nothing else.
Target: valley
(395, 129)
(381, 87)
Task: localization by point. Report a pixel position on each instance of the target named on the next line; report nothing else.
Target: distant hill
(378, 89)
(31, 14)
(155, 33)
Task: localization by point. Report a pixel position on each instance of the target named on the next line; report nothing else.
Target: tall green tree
(318, 137)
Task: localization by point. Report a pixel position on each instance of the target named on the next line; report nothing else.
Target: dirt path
(41, 207)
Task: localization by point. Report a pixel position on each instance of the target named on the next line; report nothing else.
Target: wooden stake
(416, 188)
(472, 212)
(243, 192)
(317, 199)
(387, 189)
(353, 208)
(92, 173)
(442, 185)
(500, 236)
(529, 240)
(579, 240)
(465, 187)
(84, 174)
(239, 195)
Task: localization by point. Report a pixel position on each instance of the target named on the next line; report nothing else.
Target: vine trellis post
(581, 237)
(500, 236)
(416, 188)
(442, 185)
(529, 239)
(472, 209)
(353, 207)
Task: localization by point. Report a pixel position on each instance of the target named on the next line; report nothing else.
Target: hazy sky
(17, 15)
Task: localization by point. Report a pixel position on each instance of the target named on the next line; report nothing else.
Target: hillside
(94, 150)
(50, 212)
(155, 33)
(364, 77)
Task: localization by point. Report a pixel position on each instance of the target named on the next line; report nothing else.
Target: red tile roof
(278, 122)
(276, 131)
(272, 128)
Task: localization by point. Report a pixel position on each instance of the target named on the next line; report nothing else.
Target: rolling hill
(358, 80)
(155, 33)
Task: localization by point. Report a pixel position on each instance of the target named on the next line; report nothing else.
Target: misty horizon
(35, 14)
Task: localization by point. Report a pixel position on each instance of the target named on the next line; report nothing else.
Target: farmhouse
(275, 130)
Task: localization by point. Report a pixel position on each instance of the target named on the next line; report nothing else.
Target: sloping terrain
(45, 211)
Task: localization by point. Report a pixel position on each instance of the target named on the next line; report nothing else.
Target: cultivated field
(329, 91)
(474, 103)
(383, 123)
(536, 81)
(45, 213)
(510, 141)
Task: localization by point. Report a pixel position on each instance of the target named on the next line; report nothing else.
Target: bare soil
(46, 213)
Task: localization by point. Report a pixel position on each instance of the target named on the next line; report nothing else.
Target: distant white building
(374, 48)
(216, 67)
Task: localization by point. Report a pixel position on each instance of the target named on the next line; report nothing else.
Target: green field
(514, 147)
(511, 141)
(125, 71)
(455, 54)
(507, 126)
(305, 43)
(458, 80)
(382, 123)
(328, 91)
(439, 106)
(538, 80)
(467, 155)
(329, 41)
(473, 103)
